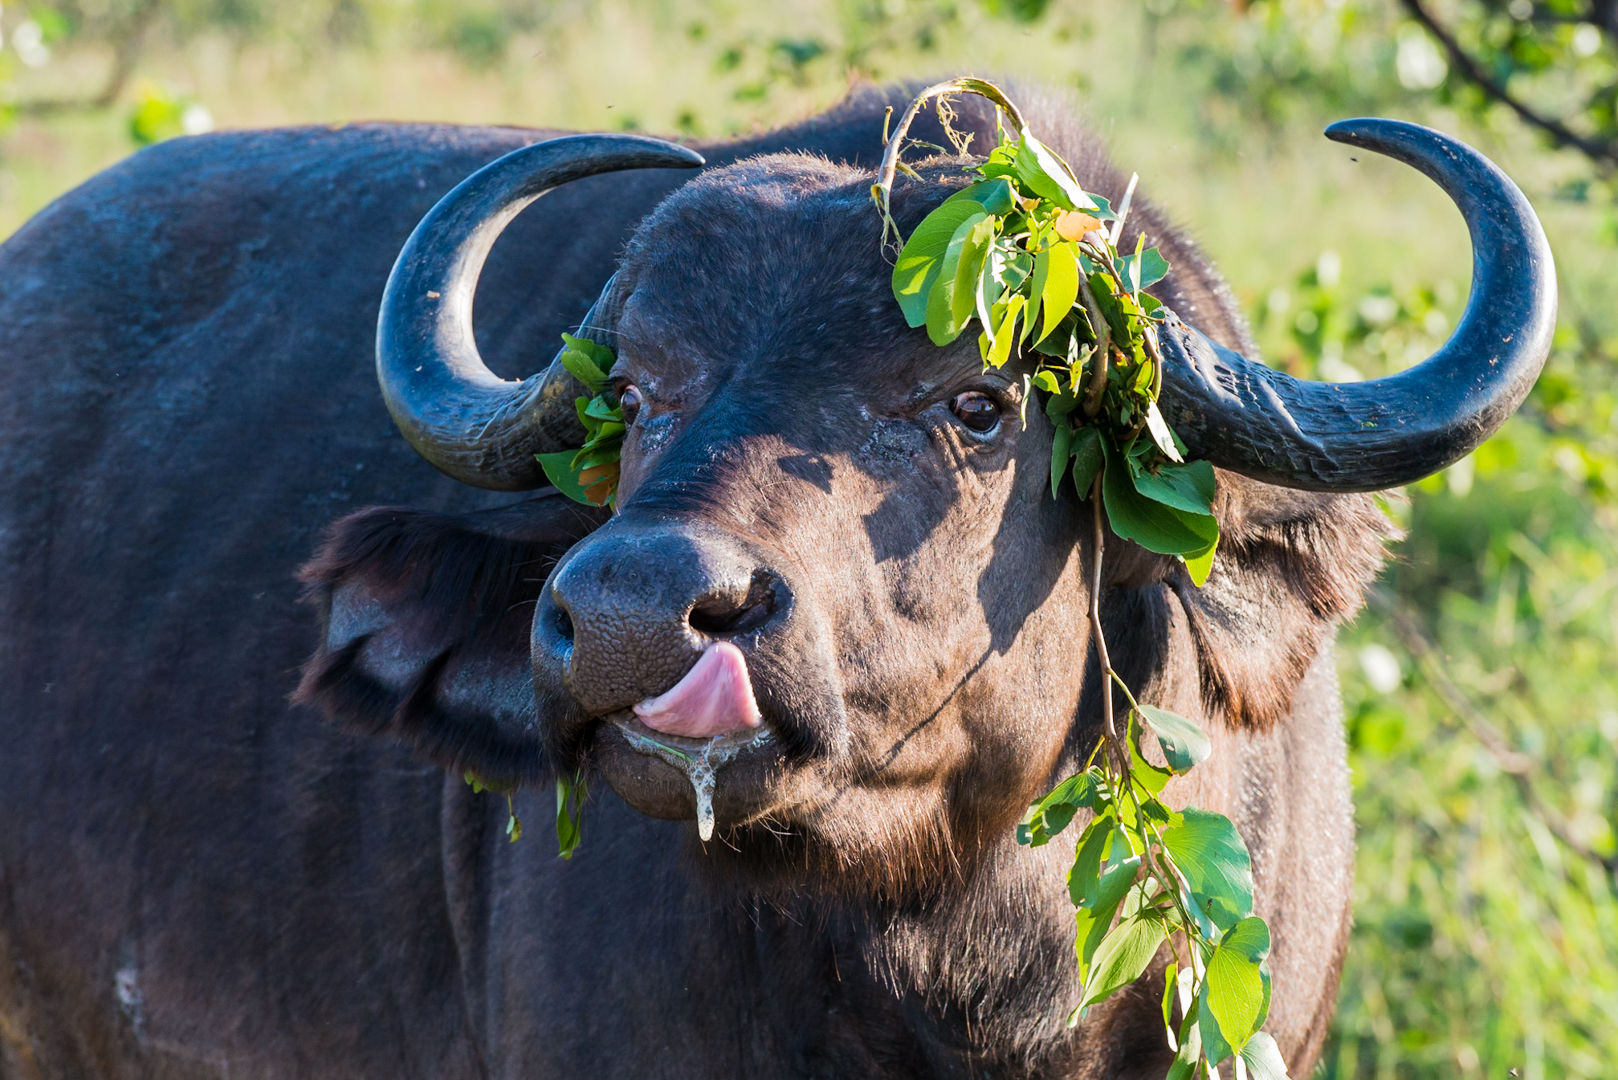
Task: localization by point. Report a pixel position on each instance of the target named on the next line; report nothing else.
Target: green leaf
(569, 806)
(1241, 952)
(953, 297)
(560, 472)
(1061, 402)
(1169, 975)
(588, 361)
(1061, 451)
(995, 196)
(1006, 334)
(1152, 267)
(1015, 264)
(1159, 428)
(514, 827)
(941, 327)
(1200, 564)
(1085, 873)
(1236, 989)
(584, 370)
(969, 271)
(603, 453)
(1147, 775)
(1153, 525)
(1059, 288)
(998, 278)
(1043, 173)
(1123, 867)
(1113, 307)
(1036, 292)
(1210, 854)
(1188, 487)
(1051, 815)
(599, 354)
(922, 259)
(1063, 339)
(1184, 743)
(1123, 955)
(1263, 1058)
(1092, 924)
(1087, 459)
(1159, 813)
(1185, 1064)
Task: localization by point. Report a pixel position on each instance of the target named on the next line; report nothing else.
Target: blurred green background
(1481, 685)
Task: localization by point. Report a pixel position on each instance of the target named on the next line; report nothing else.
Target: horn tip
(1355, 130)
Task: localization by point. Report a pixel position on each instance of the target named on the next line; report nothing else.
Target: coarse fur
(205, 879)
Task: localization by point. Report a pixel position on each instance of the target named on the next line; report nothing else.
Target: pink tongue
(713, 698)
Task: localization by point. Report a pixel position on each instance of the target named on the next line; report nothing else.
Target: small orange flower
(1072, 225)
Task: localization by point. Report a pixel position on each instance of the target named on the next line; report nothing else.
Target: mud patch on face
(891, 443)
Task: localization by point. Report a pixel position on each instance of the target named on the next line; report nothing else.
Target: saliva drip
(701, 767)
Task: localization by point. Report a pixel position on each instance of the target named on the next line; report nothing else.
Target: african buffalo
(201, 877)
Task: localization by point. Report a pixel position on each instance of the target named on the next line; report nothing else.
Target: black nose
(633, 609)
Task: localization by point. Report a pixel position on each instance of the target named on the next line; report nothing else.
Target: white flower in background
(1418, 62)
(29, 41)
(1329, 268)
(196, 120)
(1379, 310)
(1381, 668)
(1586, 39)
(1332, 366)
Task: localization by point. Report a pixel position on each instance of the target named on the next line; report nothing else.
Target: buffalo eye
(629, 403)
(978, 411)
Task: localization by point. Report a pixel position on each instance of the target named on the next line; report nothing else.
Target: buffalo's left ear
(426, 626)
(1291, 567)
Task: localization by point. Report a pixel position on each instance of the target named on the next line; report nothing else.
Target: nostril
(719, 616)
(563, 623)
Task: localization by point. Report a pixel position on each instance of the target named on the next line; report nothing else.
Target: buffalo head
(835, 546)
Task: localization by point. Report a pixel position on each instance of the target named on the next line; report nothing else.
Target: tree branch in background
(1517, 765)
(1603, 152)
(126, 53)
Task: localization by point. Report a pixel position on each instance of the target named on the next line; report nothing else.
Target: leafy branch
(1025, 252)
(1017, 251)
(570, 796)
(589, 474)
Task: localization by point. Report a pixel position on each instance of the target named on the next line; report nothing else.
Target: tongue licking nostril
(714, 698)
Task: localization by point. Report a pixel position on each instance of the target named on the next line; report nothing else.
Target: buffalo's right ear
(426, 627)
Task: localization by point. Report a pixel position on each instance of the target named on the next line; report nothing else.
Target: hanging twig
(1602, 152)
(126, 53)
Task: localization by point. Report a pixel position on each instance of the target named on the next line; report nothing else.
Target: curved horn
(1367, 436)
(473, 425)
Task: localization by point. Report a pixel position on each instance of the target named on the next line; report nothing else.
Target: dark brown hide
(206, 880)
